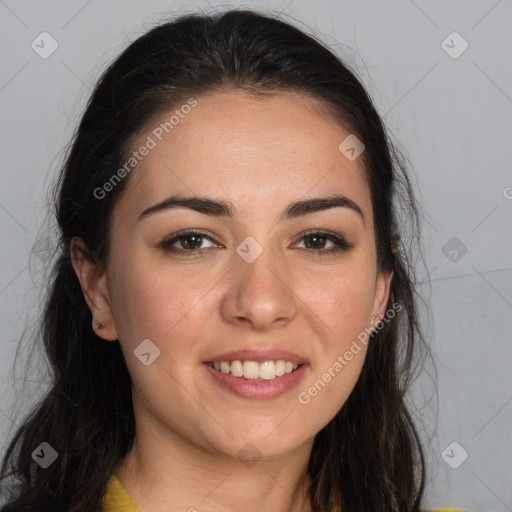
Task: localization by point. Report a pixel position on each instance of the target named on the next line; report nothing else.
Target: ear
(382, 289)
(93, 280)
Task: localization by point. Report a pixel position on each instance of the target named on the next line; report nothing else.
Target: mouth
(254, 370)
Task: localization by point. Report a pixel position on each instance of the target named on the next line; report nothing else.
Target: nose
(260, 296)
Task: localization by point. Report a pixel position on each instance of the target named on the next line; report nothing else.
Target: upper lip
(258, 356)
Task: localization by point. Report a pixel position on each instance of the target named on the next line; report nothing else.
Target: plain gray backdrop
(440, 74)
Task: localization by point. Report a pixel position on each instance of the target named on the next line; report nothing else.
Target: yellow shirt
(116, 499)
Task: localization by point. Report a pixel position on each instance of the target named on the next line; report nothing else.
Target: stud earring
(101, 325)
(371, 323)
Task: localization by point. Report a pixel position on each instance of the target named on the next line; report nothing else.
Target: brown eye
(316, 241)
(190, 242)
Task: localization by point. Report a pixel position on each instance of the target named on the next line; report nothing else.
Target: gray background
(451, 115)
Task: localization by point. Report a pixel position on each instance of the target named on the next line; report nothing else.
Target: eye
(191, 242)
(187, 242)
(317, 241)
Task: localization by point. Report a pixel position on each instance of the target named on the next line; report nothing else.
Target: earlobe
(93, 281)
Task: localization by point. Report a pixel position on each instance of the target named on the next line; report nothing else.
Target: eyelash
(341, 243)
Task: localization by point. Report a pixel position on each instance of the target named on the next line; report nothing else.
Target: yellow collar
(116, 498)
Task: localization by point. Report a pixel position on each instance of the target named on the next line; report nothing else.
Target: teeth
(237, 369)
(267, 370)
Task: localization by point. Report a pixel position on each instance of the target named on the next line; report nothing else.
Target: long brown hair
(368, 458)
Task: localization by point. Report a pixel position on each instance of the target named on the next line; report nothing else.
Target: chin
(251, 445)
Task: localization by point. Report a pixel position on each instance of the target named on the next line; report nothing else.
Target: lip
(258, 356)
(256, 389)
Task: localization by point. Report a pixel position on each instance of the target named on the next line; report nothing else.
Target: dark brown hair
(368, 458)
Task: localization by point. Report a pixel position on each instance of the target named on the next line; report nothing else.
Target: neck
(166, 471)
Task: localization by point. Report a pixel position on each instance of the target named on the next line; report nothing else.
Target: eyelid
(330, 235)
(168, 241)
(185, 232)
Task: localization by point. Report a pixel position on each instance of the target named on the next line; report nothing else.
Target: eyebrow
(219, 208)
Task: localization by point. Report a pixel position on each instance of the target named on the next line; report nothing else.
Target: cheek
(339, 303)
(341, 299)
(149, 300)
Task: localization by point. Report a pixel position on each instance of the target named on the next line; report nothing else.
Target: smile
(252, 370)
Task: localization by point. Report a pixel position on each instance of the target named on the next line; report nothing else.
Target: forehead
(256, 151)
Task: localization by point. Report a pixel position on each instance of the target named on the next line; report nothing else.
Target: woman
(231, 322)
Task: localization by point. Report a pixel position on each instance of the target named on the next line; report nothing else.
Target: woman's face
(247, 281)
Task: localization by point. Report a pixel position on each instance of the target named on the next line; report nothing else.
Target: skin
(260, 154)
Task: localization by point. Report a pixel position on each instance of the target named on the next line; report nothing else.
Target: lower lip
(258, 389)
